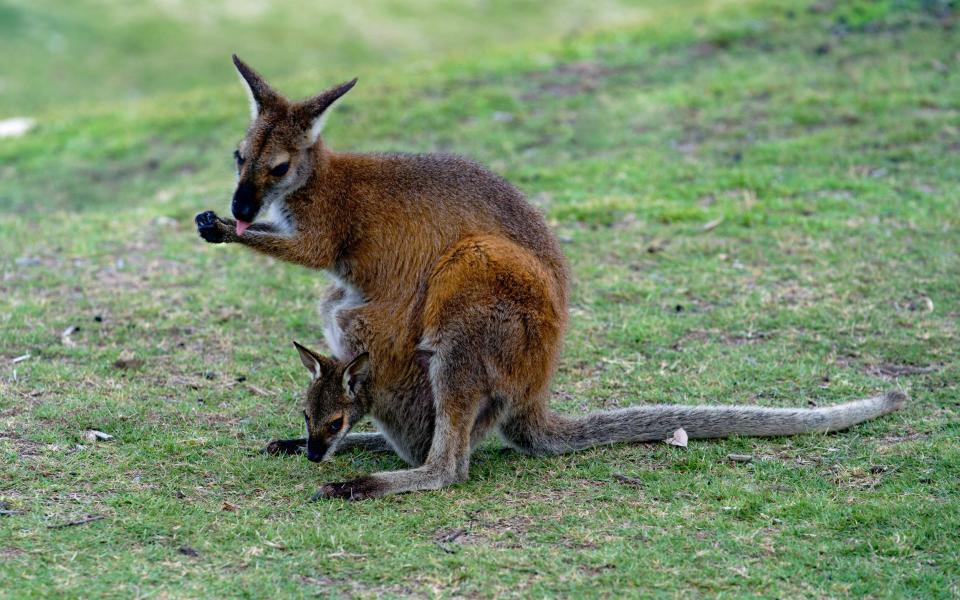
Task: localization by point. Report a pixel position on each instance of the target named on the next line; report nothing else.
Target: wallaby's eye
(335, 425)
(236, 155)
(280, 170)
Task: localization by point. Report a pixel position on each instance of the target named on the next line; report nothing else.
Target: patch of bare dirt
(9, 552)
(572, 79)
(718, 336)
(862, 478)
(908, 435)
(889, 370)
(23, 447)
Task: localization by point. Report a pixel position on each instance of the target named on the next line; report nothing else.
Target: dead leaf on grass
(228, 506)
(679, 438)
(65, 336)
(711, 225)
(94, 435)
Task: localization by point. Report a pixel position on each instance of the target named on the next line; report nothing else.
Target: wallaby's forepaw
(361, 488)
(208, 226)
(283, 447)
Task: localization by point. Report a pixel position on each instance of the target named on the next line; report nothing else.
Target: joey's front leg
(286, 447)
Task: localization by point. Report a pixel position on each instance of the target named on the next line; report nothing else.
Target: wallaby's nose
(245, 205)
(314, 457)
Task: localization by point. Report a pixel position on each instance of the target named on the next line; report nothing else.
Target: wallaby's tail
(553, 433)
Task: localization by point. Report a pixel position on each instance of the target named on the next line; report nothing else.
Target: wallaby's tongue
(242, 226)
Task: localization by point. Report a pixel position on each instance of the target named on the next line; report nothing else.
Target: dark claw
(208, 227)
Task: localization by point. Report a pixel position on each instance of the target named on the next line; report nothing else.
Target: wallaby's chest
(336, 310)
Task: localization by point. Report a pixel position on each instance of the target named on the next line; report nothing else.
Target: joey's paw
(356, 489)
(208, 226)
(282, 447)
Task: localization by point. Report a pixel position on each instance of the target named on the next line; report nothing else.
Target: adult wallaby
(455, 287)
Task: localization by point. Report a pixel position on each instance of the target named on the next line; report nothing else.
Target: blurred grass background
(759, 200)
(69, 54)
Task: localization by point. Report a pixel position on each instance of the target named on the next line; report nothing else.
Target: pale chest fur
(340, 301)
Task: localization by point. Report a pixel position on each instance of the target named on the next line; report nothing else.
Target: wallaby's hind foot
(424, 477)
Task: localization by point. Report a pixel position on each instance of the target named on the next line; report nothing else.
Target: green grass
(825, 137)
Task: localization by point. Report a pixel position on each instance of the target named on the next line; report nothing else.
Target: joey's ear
(313, 111)
(356, 373)
(311, 360)
(259, 92)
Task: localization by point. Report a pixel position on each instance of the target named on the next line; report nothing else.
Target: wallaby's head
(335, 401)
(274, 158)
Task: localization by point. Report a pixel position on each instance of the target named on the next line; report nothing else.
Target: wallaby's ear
(356, 373)
(311, 360)
(259, 92)
(313, 111)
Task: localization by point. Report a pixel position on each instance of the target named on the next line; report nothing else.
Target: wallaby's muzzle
(245, 205)
(314, 452)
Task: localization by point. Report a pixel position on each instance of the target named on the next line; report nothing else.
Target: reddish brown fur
(462, 286)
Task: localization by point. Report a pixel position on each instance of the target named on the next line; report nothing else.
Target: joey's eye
(280, 169)
(335, 425)
(240, 160)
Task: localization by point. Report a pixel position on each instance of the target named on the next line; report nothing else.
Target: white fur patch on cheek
(335, 443)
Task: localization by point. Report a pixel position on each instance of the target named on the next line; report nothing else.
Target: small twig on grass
(258, 390)
(740, 458)
(83, 521)
(711, 225)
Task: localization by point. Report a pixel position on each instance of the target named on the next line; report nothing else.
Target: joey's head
(335, 400)
(276, 157)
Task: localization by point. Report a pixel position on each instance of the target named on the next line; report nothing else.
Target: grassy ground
(760, 204)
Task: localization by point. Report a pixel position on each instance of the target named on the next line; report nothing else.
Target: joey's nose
(315, 454)
(245, 205)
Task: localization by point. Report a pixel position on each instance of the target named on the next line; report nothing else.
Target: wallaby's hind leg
(457, 399)
(528, 432)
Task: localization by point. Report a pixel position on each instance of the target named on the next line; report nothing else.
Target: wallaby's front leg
(286, 447)
(262, 237)
(371, 442)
